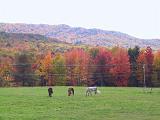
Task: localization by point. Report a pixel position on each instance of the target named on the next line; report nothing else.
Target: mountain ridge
(80, 35)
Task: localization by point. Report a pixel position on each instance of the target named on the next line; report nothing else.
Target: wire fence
(88, 73)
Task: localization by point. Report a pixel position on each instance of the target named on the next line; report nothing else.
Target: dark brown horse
(70, 91)
(50, 92)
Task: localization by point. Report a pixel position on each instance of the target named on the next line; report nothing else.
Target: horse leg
(90, 93)
(73, 92)
(69, 93)
(87, 92)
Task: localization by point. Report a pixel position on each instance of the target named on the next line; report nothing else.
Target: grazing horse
(90, 90)
(50, 92)
(70, 91)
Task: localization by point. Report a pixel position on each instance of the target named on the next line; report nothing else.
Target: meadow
(114, 103)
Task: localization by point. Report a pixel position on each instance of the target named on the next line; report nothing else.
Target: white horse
(90, 90)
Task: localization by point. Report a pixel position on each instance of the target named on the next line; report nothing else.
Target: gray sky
(140, 18)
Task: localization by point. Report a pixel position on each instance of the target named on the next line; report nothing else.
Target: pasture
(114, 103)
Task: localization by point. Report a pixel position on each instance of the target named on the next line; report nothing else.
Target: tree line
(96, 66)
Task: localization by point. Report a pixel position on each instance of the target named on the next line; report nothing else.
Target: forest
(26, 62)
(38, 63)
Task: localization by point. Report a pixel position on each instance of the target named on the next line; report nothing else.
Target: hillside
(11, 43)
(80, 35)
(27, 37)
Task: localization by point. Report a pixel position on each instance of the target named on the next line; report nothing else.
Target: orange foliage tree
(59, 69)
(156, 64)
(44, 68)
(6, 70)
(140, 64)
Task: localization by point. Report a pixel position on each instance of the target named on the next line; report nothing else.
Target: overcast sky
(139, 18)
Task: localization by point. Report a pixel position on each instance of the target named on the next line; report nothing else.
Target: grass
(27, 103)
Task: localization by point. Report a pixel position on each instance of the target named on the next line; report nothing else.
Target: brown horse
(50, 92)
(70, 91)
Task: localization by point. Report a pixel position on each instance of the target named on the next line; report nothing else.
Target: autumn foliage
(120, 67)
(102, 64)
(92, 66)
(76, 62)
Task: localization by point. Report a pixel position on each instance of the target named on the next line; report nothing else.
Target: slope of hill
(12, 43)
(81, 35)
(27, 37)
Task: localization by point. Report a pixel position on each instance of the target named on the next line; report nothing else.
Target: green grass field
(112, 104)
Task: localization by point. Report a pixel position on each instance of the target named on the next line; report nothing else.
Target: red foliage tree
(77, 61)
(121, 67)
(102, 64)
(157, 63)
(149, 57)
(146, 58)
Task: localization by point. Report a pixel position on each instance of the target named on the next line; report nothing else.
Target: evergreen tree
(133, 55)
(23, 73)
